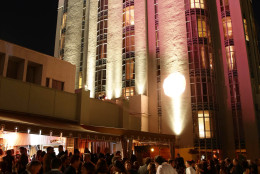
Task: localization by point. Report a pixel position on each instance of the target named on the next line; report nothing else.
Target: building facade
(26, 65)
(128, 48)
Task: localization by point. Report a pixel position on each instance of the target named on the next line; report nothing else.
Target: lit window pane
(230, 54)
(129, 16)
(197, 4)
(204, 124)
(227, 26)
(202, 27)
(246, 30)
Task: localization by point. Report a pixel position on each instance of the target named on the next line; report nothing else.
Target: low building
(35, 112)
(23, 64)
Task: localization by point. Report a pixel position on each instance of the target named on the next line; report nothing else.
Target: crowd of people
(66, 163)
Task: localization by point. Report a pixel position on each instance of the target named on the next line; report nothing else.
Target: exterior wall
(92, 43)
(73, 35)
(174, 58)
(247, 102)
(140, 47)
(138, 110)
(51, 68)
(21, 97)
(114, 50)
(33, 99)
(225, 125)
(244, 80)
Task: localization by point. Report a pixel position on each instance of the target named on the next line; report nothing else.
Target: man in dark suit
(55, 166)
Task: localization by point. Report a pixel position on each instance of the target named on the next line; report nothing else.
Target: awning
(135, 135)
(36, 123)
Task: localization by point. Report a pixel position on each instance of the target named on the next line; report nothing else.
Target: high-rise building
(196, 62)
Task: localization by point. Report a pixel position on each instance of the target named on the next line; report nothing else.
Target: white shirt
(166, 168)
(190, 170)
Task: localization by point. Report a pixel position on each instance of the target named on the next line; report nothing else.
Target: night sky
(29, 23)
(32, 23)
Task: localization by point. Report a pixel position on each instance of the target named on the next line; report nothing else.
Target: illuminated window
(230, 54)
(128, 16)
(227, 26)
(204, 124)
(202, 27)
(129, 91)
(204, 56)
(64, 17)
(197, 4)
(246, 30)
(211, 60)
(129, 69)
(80, 80)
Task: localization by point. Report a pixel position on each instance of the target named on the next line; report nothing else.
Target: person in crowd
(143, 169)
(37, 156)
(47, 159)
(163, 167)
(76, 152)
(217, 165)
(128, 168)
(112, 167)
(88, 168)
(55, 166)
(118, 167)
(33, 167)
(180, 167)
(74, 165)
(136, 166)
(237, 169)
(204, 166)
(253, 167)
(211, 167)
(101, 167)
(87, 159)
(8, 162)
(199, 168)
(118, 153)
(189, 168)
(23, 160)
(65, 161)
(245, 167)
(223, 169)
(61, 151)
(180, 160)
(151, 168)
(229, 165)
(1, 157)
(171, 162)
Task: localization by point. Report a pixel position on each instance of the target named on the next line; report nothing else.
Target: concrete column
(73, 35)
(140, 47)
(114, 49)
(92, 43)
(176, 113)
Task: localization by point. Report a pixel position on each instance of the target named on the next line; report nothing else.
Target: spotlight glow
(174, 85)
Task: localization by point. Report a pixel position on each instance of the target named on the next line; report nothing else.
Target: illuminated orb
(152, 149)
(174, 85)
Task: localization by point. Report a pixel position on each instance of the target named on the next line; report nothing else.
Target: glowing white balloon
(174, 85)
